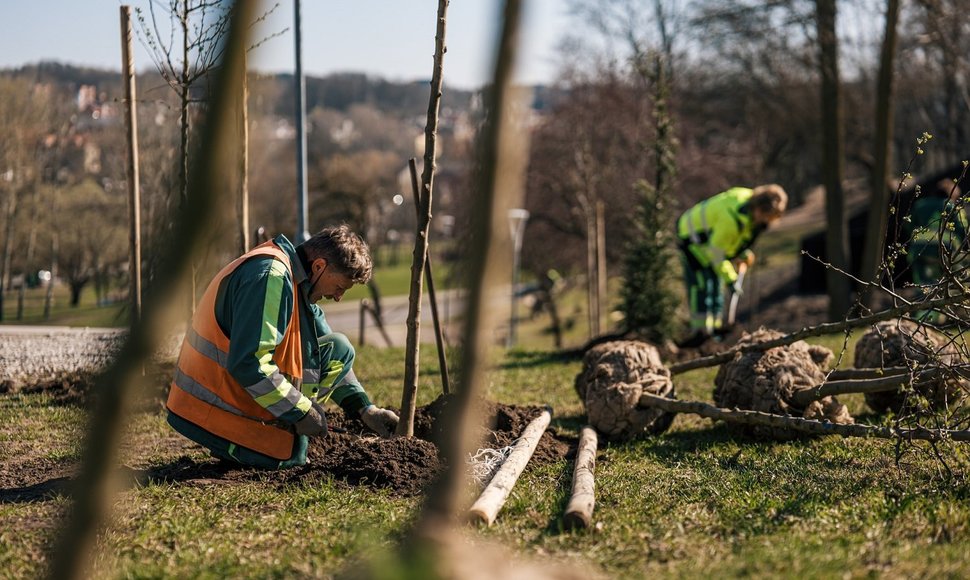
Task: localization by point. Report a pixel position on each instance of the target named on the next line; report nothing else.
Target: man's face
(327, 282)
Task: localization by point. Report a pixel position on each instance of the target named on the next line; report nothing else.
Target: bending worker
(712, 234)
(260, 361)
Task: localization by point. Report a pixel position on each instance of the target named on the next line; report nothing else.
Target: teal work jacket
(253, 308)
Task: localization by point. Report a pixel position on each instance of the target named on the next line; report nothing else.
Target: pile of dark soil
(407, 466)
(351, 454)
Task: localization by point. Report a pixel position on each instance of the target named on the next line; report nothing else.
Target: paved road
(343, 317)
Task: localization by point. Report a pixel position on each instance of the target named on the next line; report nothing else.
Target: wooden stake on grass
(745, 417)
(405, 426)
(432, 298)
(484, 510)
(579, 511)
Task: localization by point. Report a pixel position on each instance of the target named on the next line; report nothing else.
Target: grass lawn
(695, 502)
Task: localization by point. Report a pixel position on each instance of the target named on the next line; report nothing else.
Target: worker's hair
(770, 199)
(342, 249)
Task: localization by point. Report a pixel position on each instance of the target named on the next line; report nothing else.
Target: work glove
(381, 421)
(314, 423)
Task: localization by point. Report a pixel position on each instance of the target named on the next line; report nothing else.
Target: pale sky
(393, 39)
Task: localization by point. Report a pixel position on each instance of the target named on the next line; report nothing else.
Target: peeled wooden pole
(579, 511)
(746, 417)
(484, 510)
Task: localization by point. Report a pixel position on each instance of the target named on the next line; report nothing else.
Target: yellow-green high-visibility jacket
(718, 229)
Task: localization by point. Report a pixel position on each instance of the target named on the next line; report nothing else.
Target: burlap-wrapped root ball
(767, 381)
(614, 376)
(901, 343)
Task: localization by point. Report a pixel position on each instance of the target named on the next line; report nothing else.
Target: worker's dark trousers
(337, 366)
(704, 296)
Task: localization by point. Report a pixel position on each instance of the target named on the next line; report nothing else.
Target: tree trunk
(412, 349)
(592, 286)
(872, 255)
(836, 237)
(502, 182)
(8, 221)
(601, 281)
(76, 288)
(243, 209)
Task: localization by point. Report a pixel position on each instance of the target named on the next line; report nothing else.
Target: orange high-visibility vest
(204, 393)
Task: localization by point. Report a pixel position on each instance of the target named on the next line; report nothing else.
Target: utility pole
(302, 233)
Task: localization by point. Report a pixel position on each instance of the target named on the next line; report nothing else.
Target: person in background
(259, 361)
(712, 235)
(936, 230)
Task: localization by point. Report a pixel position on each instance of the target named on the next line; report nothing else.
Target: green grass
(86, 313)
(695, 502)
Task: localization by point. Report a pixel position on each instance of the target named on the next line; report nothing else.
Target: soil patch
(350, 454)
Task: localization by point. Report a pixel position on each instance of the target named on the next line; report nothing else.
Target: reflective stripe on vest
(205, 393)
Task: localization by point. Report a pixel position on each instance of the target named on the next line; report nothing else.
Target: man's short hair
(342, 249)
(770, 199)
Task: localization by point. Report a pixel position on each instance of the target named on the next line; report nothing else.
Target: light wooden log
(579, 511)
(493, 497)
(745, 417)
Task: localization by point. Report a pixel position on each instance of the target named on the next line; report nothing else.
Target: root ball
(613, 377)
(767, 381)
(903, 343)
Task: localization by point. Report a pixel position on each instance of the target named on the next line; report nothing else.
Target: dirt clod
(613, 377)
(766, 381)
(903, 343)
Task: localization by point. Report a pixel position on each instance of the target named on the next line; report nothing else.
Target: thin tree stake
(412, 349)
(432, 298)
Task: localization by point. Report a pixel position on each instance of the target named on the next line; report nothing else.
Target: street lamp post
(517, 219)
